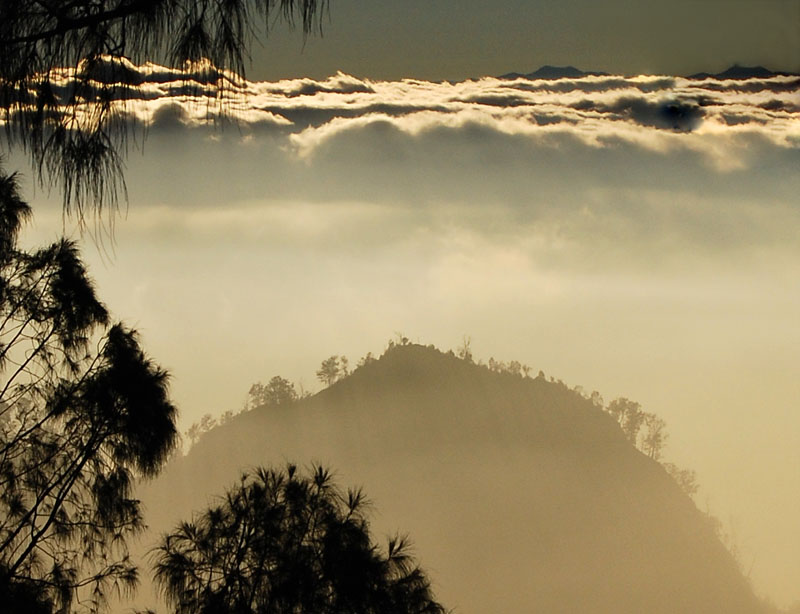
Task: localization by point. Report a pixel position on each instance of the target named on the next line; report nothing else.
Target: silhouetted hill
(570, 72)
(553, 72)
(741, 72)
(520, 495)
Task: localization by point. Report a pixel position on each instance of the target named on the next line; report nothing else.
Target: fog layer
(635, 236)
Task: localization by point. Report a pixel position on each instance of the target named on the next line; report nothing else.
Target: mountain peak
(737, 72)
(521, 494)
(553, 72)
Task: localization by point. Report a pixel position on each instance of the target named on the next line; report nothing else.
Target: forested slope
(520, 494)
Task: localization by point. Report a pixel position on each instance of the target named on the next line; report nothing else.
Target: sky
(444, 39)
(637, 236)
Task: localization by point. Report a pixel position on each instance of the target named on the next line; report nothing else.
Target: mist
(583, 232)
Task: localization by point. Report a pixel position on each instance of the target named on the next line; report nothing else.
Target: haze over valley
(635, 235)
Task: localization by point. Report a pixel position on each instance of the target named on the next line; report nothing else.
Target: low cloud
(603, 165)
(601, 108)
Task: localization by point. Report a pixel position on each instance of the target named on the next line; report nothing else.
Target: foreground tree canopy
(83, 413)
(281, 542)
(74, 134)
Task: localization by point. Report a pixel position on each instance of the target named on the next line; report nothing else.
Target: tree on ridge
(331, 370)
(654, 437)
(278, 391)
(630, 416)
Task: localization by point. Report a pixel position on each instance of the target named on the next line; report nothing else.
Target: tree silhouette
(281, 542)
(83, 413)
(654, 437)
(329, 371)
(368, 359)
(201, 427)
(685, 478)
(630, 416)
(278, 391)
(464, 351)
(75, 135)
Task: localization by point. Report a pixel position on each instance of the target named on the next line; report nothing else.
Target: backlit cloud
(647, 110)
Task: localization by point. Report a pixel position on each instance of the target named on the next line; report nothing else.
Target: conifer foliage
(83, 414)
(282, 542)
(65, 73)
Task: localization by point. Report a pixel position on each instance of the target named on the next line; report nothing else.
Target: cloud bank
(650, 110)
(601, 161)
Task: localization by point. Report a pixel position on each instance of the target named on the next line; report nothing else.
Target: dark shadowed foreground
(280, 541)
(521, 495)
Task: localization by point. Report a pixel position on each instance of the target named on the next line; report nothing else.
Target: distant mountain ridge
(520, 494)
(737, 72)
(554, 72)
(734, 72)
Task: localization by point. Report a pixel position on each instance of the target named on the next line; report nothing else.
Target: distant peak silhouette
(737, 72)
(554, 72)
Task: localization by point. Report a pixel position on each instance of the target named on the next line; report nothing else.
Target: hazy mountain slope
(520, 495)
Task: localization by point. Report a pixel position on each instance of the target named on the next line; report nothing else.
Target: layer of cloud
(597, 108)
